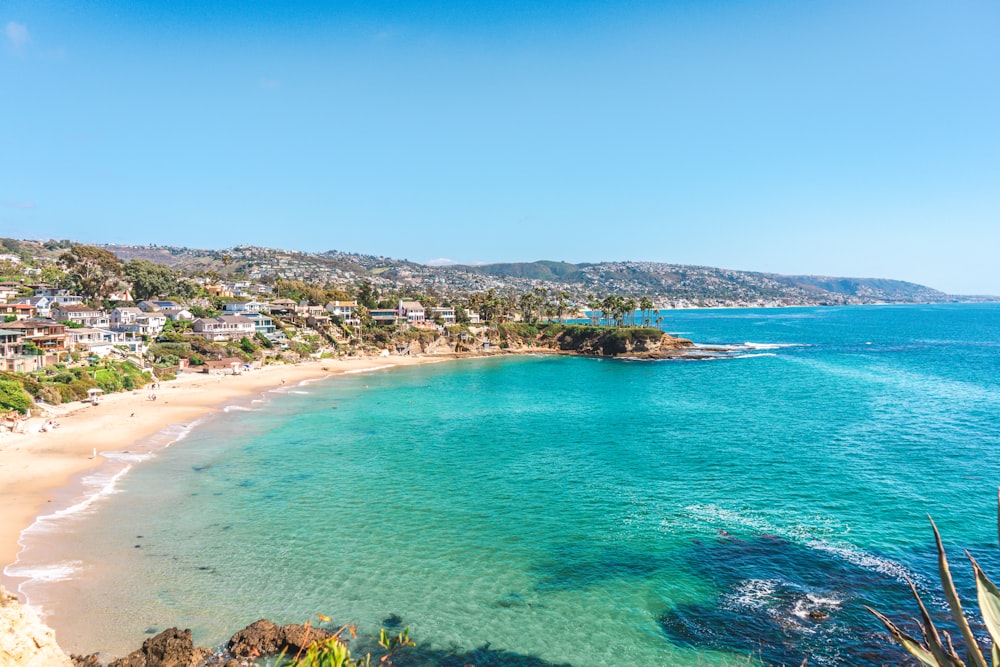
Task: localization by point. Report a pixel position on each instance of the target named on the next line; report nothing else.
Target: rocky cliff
(633, 342)
(24, 640)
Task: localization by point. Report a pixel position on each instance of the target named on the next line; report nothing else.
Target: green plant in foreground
(934, 652)
(333, 651)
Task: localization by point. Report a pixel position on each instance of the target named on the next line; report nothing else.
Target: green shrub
(14, 397)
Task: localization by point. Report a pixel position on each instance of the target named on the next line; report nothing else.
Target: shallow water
(566, 510)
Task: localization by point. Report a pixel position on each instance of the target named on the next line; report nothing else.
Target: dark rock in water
(298, 637)
(85, 660)
(259, 638)
(392, 622)
(170, 648)
(266, 638)
(781, 602)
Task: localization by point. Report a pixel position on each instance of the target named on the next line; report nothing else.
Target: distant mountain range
(669, 285)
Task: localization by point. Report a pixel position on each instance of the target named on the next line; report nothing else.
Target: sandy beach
(35, 465)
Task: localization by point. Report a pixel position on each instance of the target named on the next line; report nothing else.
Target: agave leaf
(975, 655)
(989, 600)
(931, 635)
(996, 655)
(915, 648)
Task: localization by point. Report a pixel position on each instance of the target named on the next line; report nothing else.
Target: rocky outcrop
(24, 640)
(259, 638)
(170, 648)
(633, 342)
(266, 638)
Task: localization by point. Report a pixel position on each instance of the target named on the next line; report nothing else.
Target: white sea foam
(98, 486)
(369, 370)
(238, 408)
(299, 393)
(752, 356)
(771, 346)
(750, 593)
(806, 536)
(50, 572)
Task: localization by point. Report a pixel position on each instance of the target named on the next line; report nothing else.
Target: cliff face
(24, 640)
(635, 342)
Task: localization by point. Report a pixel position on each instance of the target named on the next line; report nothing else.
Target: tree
(367, 295)
(646, 305)
(149, 279)
(95, 272)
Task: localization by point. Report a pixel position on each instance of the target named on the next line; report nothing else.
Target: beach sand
(34, 466)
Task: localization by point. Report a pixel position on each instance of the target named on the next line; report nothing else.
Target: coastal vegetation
(936, 649)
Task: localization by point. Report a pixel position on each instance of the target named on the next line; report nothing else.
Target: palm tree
(646, 304)
(628, 307)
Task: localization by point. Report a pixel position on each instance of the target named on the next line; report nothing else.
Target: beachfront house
(413, 311)
(384, 316)
(473, 316)
(345, 310)
(81, 315)
(444, 313)
(263, 323)
(224, 327)
(96, 342)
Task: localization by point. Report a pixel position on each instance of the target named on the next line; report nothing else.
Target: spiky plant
(935, 652)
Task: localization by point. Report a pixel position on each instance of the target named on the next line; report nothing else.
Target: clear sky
(837, 137)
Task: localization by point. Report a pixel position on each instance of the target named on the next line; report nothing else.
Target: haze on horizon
(847, 138)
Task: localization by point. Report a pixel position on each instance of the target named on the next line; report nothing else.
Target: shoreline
(46, 469)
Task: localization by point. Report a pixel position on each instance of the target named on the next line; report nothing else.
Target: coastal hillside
(668, 285)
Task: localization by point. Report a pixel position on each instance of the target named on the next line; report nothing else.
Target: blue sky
(839, 137)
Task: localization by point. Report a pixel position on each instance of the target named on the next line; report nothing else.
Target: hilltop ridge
(669, 285)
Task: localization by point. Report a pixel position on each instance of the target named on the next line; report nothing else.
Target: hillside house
(345, 310)
(46, 335)
(224, 327)
(445, 313)
(80, 314)
(19, 311)
(95, 342)
(384, 316)
(245, 307)
(413, 311)
(133, 320)
(42, 304)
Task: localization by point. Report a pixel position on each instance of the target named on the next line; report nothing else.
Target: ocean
(543, 510)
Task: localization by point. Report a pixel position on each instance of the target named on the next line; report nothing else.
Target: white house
(445, 313)
(135, 321)
(42, 304)
(412, 311)
(244, 307)
(345, 310)
(80, 314)
(224, 327)
(95, 342)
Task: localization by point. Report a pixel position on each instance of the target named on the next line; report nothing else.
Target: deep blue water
(553, 510)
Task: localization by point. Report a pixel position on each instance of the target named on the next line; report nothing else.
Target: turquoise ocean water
(552, 510)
